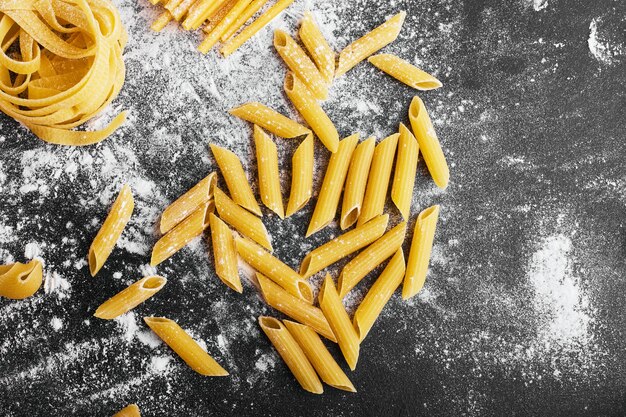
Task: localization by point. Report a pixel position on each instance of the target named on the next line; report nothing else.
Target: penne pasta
(236, 179)
(129, 411)
(301, 176)
(161, 21)
(187, 203)
(182, 234)
(269, 178)
(111, 230)
(419, 255)
(321, 359)
(19, 281)
(184, 346)
(292, 354)
(214, 36)
(312, 112)
(334, 178)
(429, 143)
(403, 71)
(378, 180)
(294, 307)
(404, 175)
(225, 253)
(201, 11)
(367, 45)
(339, 322)
(252, 8)
(270, 120)
(318, 48)
(370, 258)
(380, 293)
(130, 297)
(356, 182)
(343, 245)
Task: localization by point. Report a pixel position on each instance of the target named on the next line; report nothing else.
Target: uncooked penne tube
(378, 180)
(182, 234)
(199, 12)
(18, 280)
(334, 178)
(270, 120)
(111, 230)
(292, 354)
(429, 143)
(161, 21)
(339, 322)
(318, 48)
(130, 297)
(403, 71)
(311, 111)
(129, 411)
(252, 8)
(214, 36)
(378, 295)
(343, 245)
(301, 176)
(225, 253)
(404, 175)
(419, 255)
(356, 182)
(184, 346)
(321, 359)
(269, 177)
(187, 203)
(294, 307)
(370, 258)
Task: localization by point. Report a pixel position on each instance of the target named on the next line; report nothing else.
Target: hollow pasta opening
(306, 263)
(414, 109)
(428, 212)
(289, 81)
(306, 291)
(350, 218)
(153, 283)
(270, 323)
(93, 263)
(212, 184)
(280, 39)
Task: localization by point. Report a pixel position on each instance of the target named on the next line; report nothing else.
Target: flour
(56, 323)
(128, 325)
(604, 41)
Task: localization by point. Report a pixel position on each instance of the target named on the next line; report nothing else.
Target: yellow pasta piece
(225, 253)
(251, 30)
(201, 11)
(370, 258)
(371, 42)
(419, 255)
(242, 220)
(378, 180)
(380, 293)
(161, 21)
(236, 179)
(130, 297)
(321, 359)
(301, 176)
(270, 120)
(269, 177)
(404, 175)
(181, 10)
(356, 182)
(111, 230)
(184, 205)
(343, 245)
(339, 322)
(214, 36)
(131, 410)
(292, 354)
(301, 65)
(318, 48)
(330, 193)
(312, 112)
(252, 8)
(18, 280)
(182, 234)
(429, 143)
(403, 71)
(184, 346)
(294, 307)
(170, 5)
(218, 16)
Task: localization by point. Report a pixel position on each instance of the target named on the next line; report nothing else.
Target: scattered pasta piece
(130, 297)
(356, 182)
(187, 203)
(403, 71)
(19, 281)
(404, 175)
(270, 120)
(301, 176)
(225, 254)
(269, 177)
(131, 410)
(419, 255)
(318, 48)
(252, 8)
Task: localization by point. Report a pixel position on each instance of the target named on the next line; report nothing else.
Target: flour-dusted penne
(214, 36)
(241, 219)
(294, 307)
(131, 410)
(225, 253)
(130, 297)
(378, 295)
(271, 267)
(356, 182)
(419, 255)
(403, 71)
(334, 178)
(429, 143)
(298, 61)
(184, 346)
(218, 16)
(270, 120)
(343, 245)
(252, 8)
(318, 48)
(321, 359)
(187, 203)
(161, 21)
(18, 280)
(311, 111)
(370, 258)
(201, 11)
(301, 176)
(182, 234)
(111, 230)
(269, 177)
(378, 180)
(404, 175)
(236, 180)
(292, 354)
(339, 322)
(373, 41)
(251, 30)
